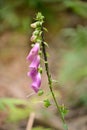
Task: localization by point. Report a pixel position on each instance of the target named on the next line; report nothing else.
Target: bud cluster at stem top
(37, 25)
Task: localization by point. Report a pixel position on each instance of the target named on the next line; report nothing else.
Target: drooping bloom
(36, 82)
(32, 73)
(34, 57)
(35, 63)
(34, 51)
(36, 78)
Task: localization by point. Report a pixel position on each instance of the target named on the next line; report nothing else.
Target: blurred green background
(66, 21)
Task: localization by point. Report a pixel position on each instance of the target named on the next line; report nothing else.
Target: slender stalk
(38, 36)
(49, 77)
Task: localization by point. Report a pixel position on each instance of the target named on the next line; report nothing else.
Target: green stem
(49, 77)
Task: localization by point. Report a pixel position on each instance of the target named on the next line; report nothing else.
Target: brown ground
(13, 79)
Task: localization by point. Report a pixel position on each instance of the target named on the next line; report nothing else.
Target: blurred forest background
(66, 21)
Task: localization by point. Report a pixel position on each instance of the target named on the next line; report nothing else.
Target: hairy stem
(49, 77)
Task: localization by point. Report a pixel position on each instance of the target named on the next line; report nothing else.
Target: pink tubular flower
(34, 57)
(36, 82)
(34, 51)
(32, 73)
(35, 63)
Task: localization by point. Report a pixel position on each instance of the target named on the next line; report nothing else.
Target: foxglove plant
(35, 70)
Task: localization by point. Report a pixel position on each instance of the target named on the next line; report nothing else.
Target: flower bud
(36, 24)
(40, 70)
(40, 92)
(36, 32)
(33, 38)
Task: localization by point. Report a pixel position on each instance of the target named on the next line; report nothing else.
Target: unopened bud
(40, 92)
(36, 24)
(39, 40)
(33, 38)
(36, 32)
(33, 25)
(40, 70)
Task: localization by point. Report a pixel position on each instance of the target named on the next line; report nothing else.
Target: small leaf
(63, 110)
(39, 16)
(40, 70)
(47, 103)
(46, 44)
(32, 45)
(45, 29)
(40, 92)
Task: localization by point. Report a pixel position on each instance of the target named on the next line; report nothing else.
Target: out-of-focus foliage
(11, 17)
(77, 6)
(77, 38)
(40, 128)
(74, 69)
(15, 14)
(16, 109)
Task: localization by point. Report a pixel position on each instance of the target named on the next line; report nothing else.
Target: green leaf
(39, 17)
(40, 92)
(47, 103)
(46, 44)
(45, 29)
(63, 110)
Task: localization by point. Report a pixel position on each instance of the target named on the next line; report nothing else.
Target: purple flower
(36, 82)
(34, 51)
(35, 63)
(32, 73)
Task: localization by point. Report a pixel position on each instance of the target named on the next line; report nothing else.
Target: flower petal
(36, 82)
(32, 73)
(35, 63)
(33, 52)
